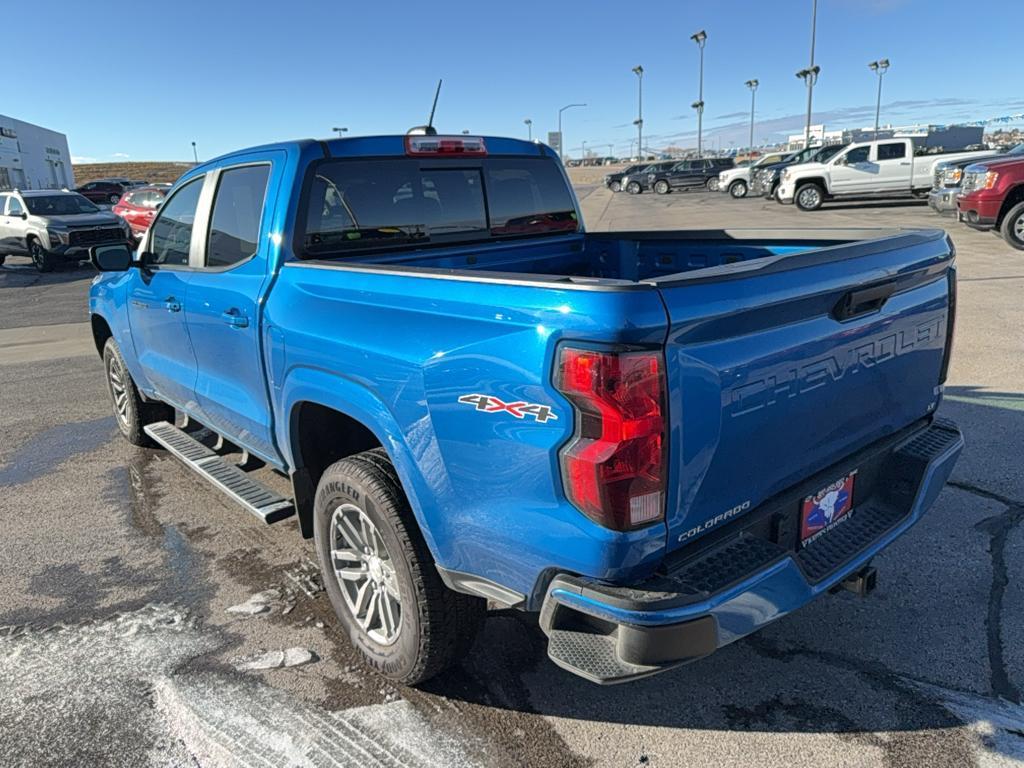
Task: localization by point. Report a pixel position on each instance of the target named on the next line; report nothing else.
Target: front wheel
(131, 411)
(615, 186)
(380, 577)
(738, 189)
(661, 187)
(809, 197)
(41, 258)
(1012, 228)
(633, 188)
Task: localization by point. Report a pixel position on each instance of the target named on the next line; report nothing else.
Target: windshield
(1017, 150)
(59, 205)
(360, 204)
(828, 152)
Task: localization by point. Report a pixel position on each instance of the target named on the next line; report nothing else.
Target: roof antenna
(428, 129)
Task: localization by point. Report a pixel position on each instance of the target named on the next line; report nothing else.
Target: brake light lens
(613, 469)
(444, 145)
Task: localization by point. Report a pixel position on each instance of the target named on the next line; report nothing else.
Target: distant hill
(152, 172)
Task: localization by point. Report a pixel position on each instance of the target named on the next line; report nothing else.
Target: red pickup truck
(993, 198)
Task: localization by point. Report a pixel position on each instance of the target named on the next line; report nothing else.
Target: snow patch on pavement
(998, 723)
(289, 657)
(132, 690)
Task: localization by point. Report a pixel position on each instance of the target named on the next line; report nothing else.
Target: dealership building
(32, 157)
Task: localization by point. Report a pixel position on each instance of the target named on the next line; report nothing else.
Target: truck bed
(616, 259)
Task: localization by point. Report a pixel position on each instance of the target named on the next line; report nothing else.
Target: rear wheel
(131, 411)
(712, 184)
(809, 197)
(738, 189)
(114, 199)
(661, 187)
(633, 188)
(41, 258)
(1012, 228)
(615, 186)
(381, 578)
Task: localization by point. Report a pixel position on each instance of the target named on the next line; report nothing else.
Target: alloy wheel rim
(808, 197)
(37, 252)
(1018, 227)
(366, 574)
(118, 389)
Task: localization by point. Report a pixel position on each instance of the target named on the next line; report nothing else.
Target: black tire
(131, 412)
(634, 188)
(436, 626)
(41, 258)
(615, 186)
(661, 187)
(738, 189)
(712, 184)
(1012, 227)
(809, 197)
(3, 257)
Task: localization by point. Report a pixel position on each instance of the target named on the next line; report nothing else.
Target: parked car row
(108, 190)
(668, 175)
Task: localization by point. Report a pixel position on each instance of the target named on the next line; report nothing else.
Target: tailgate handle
(863, 301)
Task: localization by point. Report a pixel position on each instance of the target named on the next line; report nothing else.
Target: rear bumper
(738, 584)
(943, 200)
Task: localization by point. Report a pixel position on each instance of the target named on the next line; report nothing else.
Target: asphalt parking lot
(144, 620)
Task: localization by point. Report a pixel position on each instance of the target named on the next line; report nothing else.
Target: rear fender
(354, 400)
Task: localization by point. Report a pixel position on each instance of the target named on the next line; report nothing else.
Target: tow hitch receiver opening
(862, 583)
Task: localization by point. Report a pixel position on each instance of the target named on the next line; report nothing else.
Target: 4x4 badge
(519, 409)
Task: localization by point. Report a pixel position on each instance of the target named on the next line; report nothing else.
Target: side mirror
(113, 257)
(841, 160)
(21, 215)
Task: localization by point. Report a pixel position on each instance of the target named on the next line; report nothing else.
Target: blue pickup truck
(659, 441)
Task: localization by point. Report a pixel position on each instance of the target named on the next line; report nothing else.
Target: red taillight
(614, 467)
(444, 145)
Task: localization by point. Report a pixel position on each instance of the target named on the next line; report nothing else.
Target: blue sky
(143, 80)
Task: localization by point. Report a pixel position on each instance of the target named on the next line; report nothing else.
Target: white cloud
(122, 155)
(79, 159)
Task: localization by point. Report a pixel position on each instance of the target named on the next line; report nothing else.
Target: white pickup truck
(883, 168)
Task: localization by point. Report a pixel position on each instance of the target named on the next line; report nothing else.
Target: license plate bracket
(829, 507)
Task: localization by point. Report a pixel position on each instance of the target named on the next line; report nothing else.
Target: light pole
(583, 152)
(752, 85)
(639, 122)
(195, 155)
(340, 131)
(529, 126)
(611, 151)
(561, 139)
(700, 38)
(632, 144)
(810, 75)
(878, 67)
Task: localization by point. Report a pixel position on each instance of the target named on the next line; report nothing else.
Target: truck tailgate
(775, 373)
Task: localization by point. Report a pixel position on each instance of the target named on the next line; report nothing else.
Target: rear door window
(893, 151)
(237, 211)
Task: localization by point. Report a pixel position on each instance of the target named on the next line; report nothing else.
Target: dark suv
(688, 174)
(636, 182)
(614, 180)
(102, 191)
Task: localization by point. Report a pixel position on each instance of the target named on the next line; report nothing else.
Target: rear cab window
(355, 205)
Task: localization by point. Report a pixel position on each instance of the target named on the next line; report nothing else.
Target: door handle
(172, 304)
(234, 318)
(904, 163)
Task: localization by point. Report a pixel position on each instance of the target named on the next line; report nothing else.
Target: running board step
(266, 504)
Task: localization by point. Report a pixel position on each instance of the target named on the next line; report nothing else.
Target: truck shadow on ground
(843, 664)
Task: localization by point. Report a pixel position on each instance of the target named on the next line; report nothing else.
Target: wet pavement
(119, 567)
